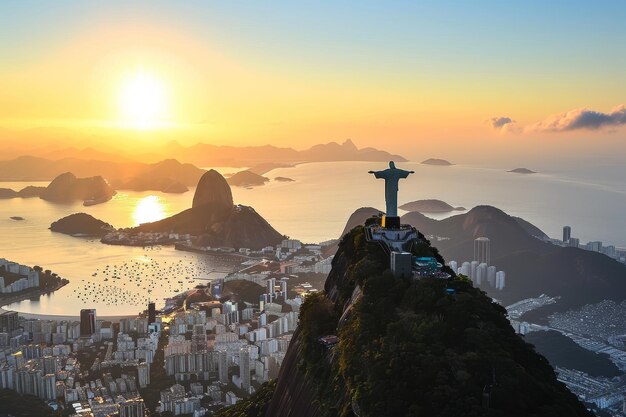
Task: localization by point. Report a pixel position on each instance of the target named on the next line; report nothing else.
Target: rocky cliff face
(410, 348)
(243, 228)
(214, 191)
(67, 188)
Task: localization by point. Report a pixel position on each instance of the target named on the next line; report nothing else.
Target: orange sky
(222, 79)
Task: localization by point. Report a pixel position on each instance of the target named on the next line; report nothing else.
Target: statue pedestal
(391, 222)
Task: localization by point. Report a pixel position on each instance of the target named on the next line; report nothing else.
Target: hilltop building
(567, 233)
(482, 250)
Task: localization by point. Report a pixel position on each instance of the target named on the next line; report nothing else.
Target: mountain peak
(443, 339)
(348, 144)
(213, 190)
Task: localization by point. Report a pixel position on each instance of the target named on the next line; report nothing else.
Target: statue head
(392, 165)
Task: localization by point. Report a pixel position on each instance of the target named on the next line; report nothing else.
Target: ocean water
(312, 208)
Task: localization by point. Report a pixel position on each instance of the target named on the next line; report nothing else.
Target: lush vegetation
(48, 280)
(14, 404)
(408, 348)
(245, 290)
(255, 406)
(412, 348)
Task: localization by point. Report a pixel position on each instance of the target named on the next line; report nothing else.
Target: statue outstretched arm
(378, 174)
(404, 174)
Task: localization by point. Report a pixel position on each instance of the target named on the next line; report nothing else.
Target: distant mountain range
(533, 266)
(200, 154)
(29, 168)
(170, 175)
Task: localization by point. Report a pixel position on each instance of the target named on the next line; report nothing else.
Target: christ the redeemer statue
(392, 176)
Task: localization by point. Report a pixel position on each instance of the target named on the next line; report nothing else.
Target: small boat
(94, 201)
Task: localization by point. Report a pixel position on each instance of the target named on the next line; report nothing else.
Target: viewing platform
(392, 240)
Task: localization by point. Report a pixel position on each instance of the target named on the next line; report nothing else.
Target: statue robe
(391, 176)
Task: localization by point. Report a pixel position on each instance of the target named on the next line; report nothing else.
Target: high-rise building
(500, 280)
(482, 250)
(222, 366)
(8, 321)
(454, 266)
(49, 387)
(567, 233)
(244, 368)
(481, 274)
(473, 270)
(271, 285)
(491, 276)
(133, 408)
(151, 313)
(401, 264)
(595, 246)
(573, 242)
(87, 322)
(143, 373)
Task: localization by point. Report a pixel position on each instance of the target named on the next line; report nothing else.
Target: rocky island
(212, 221)
(26, 192)
(430, 206)
(522, 171)
(247, 179)
(81, 224)
(437, 162)
(284, 179)
(66, 188)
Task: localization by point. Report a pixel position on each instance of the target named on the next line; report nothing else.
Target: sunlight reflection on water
(149, 209)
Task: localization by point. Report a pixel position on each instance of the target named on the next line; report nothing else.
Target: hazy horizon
(471, 83)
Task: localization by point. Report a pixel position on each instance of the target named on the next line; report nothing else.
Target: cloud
(582, 119)
(498, 122)
(503, 125)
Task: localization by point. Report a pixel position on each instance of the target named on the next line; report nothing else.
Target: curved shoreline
(25, 295)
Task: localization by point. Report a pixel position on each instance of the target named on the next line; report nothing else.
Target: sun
(143, 101)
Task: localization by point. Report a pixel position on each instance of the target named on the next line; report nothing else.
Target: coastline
(33, 292)
(24, 295)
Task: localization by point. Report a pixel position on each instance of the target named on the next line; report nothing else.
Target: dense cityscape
(312, 209)
(188, 359)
